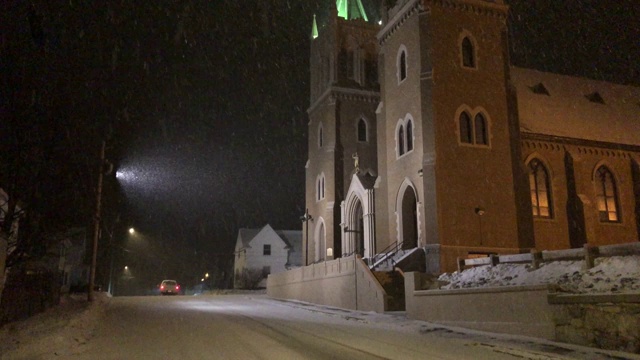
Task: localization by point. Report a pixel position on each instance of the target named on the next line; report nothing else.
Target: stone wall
(606, 321)
(603, 321)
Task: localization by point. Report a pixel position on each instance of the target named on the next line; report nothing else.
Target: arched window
(409, 135)
(320, 136)
(540, 188)
(480, 128)
(607, 195)
(401, 64)
(465, 128)
(320, 187)
(468, 53)
(362, 130)
(401, 140)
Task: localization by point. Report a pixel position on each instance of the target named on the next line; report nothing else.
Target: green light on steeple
(351, 9)
(314, 28)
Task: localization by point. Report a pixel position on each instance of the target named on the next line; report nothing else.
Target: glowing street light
(132, 231)
(126, 268)
(206, 276)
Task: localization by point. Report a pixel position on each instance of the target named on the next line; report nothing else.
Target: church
(425, 139)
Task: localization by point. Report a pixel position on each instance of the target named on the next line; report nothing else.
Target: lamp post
(306, 218)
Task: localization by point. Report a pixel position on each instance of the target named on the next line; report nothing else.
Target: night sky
(203, 105)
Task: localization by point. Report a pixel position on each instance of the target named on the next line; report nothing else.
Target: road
(256, 327)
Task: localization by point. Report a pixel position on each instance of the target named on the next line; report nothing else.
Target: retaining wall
(345, 282)
(606, 321)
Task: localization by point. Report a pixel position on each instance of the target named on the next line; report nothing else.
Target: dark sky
(204, 103)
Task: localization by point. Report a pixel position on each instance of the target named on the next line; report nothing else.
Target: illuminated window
(607, 196)
(266, 250)
(540, 189)
(362, 130)
(468, 53)
(465, 128)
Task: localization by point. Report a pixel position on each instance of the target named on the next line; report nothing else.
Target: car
(169, 287)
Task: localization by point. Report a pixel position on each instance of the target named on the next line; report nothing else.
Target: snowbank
(609, 275)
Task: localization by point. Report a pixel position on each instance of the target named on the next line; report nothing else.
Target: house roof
(579, 108)
(245, 236)
(293, 238)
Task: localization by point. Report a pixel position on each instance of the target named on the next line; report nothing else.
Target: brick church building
(424, 137)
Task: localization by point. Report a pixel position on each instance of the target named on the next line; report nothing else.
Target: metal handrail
(388, 252)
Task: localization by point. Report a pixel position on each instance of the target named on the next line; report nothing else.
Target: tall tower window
(404, 135)
(480, 129)
(401, 140)
(320, 187)
(409, 135)
(465, 128)
(320, 136)
(473, 130)
(401, 64)
(607, 195)
(468, 53)
(540, 189)
(362, 130)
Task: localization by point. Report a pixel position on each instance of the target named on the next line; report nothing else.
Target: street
(256, 327)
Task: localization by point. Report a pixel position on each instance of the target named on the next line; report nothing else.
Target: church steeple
(314, 28)
(351, 9)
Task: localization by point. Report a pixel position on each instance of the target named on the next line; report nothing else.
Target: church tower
(449, 161)
(344, 93)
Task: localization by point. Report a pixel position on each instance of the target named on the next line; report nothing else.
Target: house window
(465, 128)
(401, 140)
(362, 130)
(480, 128)
(402, 64)
(540, 188)
(266, 249)
(468, 53)
(320, 136)
(607, 196)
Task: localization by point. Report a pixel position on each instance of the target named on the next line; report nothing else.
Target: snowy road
(256, 327)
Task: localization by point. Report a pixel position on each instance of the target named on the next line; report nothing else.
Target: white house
(265, 251)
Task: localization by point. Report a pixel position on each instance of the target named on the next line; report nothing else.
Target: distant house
(260, 252)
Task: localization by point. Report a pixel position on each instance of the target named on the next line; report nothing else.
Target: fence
(587, 253)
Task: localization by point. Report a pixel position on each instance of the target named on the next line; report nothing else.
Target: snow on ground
(66, 326)
(618, 274)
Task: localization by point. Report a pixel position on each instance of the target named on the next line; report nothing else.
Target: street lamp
(306, 218)
(132, 231)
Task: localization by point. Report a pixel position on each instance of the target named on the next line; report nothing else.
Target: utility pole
(306, 217)
(96, 225)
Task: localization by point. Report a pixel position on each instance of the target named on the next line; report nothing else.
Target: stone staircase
(393, 284)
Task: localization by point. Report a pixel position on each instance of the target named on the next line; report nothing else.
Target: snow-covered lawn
(617, 274)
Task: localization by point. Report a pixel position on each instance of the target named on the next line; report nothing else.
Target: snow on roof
(579, 108)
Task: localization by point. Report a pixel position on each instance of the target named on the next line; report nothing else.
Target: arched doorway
(359, 229)
(409, 219)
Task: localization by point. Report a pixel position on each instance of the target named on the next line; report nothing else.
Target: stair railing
(388, 252)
